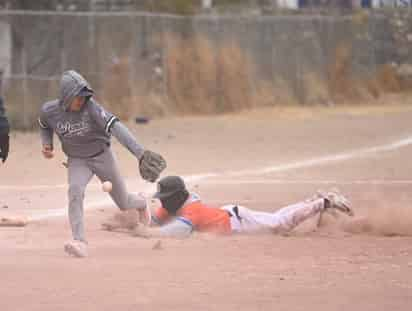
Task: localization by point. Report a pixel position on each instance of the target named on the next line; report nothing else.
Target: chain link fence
(154, 65)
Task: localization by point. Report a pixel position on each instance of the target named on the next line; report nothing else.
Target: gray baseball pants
(80, 172)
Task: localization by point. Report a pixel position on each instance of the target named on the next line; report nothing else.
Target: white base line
(265, 170)
(309, 182)
(59, 212)
(328, 159)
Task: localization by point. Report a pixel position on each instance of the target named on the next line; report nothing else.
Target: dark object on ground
(158, 246)
(141, 120)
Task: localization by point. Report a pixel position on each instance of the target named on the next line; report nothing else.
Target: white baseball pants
(281, 221)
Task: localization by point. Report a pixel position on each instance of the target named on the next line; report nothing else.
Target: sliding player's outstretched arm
(178, 229)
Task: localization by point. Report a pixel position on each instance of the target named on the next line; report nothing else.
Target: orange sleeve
(191, 216)
(160, 216)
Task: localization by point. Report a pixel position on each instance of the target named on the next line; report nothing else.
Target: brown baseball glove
(151, 165)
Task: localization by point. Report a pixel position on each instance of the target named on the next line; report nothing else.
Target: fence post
(63, 58)
(24, 82)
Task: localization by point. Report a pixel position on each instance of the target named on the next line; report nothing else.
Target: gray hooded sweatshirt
(85, 133)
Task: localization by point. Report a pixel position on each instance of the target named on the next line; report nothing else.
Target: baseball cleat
(338, 202)
(320, 194)
(76, 248)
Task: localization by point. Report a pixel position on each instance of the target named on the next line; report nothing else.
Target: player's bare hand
(47, 151)
(144, 216)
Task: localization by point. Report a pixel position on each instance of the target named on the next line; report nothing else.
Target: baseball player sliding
(84, 129)
(182, 212)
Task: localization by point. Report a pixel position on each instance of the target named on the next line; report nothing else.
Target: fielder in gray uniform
(84, 128)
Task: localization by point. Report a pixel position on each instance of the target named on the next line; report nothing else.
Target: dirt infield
(263, 161)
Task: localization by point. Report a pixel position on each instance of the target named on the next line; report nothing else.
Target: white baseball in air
(107, 186)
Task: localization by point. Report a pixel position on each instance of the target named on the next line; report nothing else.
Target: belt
(100, 152)
(93, 155)
(97, 154)
(235, 210)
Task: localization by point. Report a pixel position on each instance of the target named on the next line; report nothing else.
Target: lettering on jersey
(70, 129)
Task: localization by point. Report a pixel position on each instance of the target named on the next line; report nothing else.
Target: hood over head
(72, 84)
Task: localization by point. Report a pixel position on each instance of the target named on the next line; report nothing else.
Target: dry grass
(278, 93)
(117, 92)
(316, 90)
(200, 78)
(341, 84)
(191, 75)
(388, 80)
(204, 79)
(346, 87)
(237, 74)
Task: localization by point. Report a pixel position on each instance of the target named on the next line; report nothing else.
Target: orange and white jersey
(198, 215)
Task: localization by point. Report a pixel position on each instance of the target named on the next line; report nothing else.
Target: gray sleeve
(126, 138)
(103, 118)
(178, 228)
(46, 133)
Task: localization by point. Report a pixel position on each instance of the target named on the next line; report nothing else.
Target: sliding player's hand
(47, 151)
